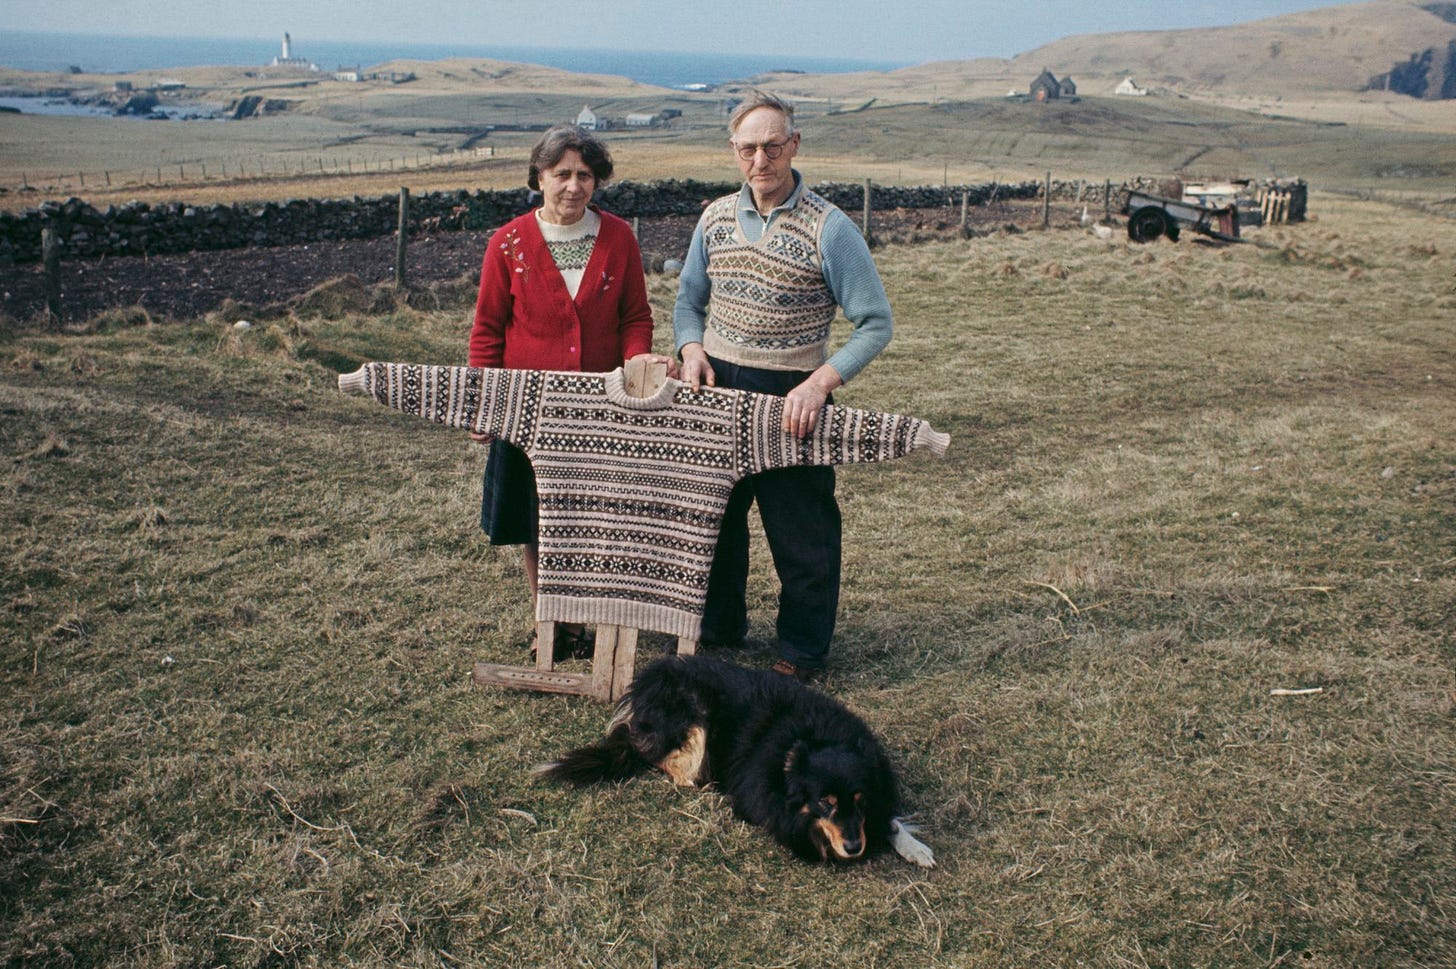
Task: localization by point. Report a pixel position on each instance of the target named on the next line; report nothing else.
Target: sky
(912, 31)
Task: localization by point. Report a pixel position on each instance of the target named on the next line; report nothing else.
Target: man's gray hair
(761, 99)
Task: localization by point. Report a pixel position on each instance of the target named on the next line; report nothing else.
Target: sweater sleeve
(849, 271)
(489, 401)
(843, 435)
(494, 305)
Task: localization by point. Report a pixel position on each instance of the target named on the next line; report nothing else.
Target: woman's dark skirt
(508, 507)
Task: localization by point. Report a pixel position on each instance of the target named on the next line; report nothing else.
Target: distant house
(587, 118)
(1046, 87)
(1069, 88)
(350, 74)
(1130, 87)
(643, 121)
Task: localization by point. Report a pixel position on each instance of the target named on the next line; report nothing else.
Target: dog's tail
(611, 759)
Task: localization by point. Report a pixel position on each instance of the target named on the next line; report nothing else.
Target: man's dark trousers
(802, 523)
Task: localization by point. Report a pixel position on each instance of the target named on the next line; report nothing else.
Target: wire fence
(181, 174)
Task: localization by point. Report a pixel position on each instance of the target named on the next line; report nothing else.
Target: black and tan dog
(790, 759)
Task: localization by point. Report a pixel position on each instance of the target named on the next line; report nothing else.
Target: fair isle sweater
(632, 489)
(761, 291)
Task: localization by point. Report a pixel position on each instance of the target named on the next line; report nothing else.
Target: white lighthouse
(286, 59)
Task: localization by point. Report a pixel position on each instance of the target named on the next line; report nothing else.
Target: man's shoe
(785, 668)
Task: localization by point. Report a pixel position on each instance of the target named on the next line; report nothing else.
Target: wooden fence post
(868, 237)
(50, 249)
(401, 241)
(965, 209)
(1046, 204)
(1107, 202)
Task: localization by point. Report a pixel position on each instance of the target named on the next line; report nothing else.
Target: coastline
(50, 53)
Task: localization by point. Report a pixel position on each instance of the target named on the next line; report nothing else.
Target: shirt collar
(745, 197)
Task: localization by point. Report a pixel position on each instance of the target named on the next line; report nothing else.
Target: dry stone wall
(139, 228)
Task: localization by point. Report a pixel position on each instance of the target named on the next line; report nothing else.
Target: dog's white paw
(907, 846)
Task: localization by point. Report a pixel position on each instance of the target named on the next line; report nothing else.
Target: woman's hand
(481, 438)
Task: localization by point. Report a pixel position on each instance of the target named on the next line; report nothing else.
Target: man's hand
(479, 438)
(803, 404)
(696, 371)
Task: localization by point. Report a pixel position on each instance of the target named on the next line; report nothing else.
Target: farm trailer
(1150, 216)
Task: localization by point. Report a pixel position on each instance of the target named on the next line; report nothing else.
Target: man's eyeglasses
(771, 149)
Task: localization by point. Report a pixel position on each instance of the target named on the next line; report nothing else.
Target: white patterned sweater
(632, 489)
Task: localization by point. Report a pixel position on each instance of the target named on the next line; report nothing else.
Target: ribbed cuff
(937, 441)
(356, 382)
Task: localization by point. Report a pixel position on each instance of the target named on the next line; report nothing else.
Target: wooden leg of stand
(545, 646)
(625, 660)
(604, 662)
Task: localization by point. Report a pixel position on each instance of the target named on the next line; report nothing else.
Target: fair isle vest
(770, 307)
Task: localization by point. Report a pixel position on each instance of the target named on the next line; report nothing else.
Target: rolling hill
(1330, 52)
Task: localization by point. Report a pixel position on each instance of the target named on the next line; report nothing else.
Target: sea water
(110, 54)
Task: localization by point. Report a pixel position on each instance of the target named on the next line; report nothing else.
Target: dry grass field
(240, 611)
(947, 143)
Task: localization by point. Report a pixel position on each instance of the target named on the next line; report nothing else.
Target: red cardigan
(526, 320)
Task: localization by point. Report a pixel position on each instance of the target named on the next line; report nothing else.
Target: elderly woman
(561, 288)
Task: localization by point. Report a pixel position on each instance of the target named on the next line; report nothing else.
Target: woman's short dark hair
(560, 139)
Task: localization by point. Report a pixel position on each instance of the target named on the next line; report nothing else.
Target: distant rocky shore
(122, 102)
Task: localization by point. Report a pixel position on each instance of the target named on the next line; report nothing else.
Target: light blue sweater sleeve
(850, 271)
(690, 312)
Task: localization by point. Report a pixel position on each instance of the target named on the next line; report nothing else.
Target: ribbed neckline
(617, 393)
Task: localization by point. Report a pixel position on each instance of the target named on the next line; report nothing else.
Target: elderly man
(765, 271)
